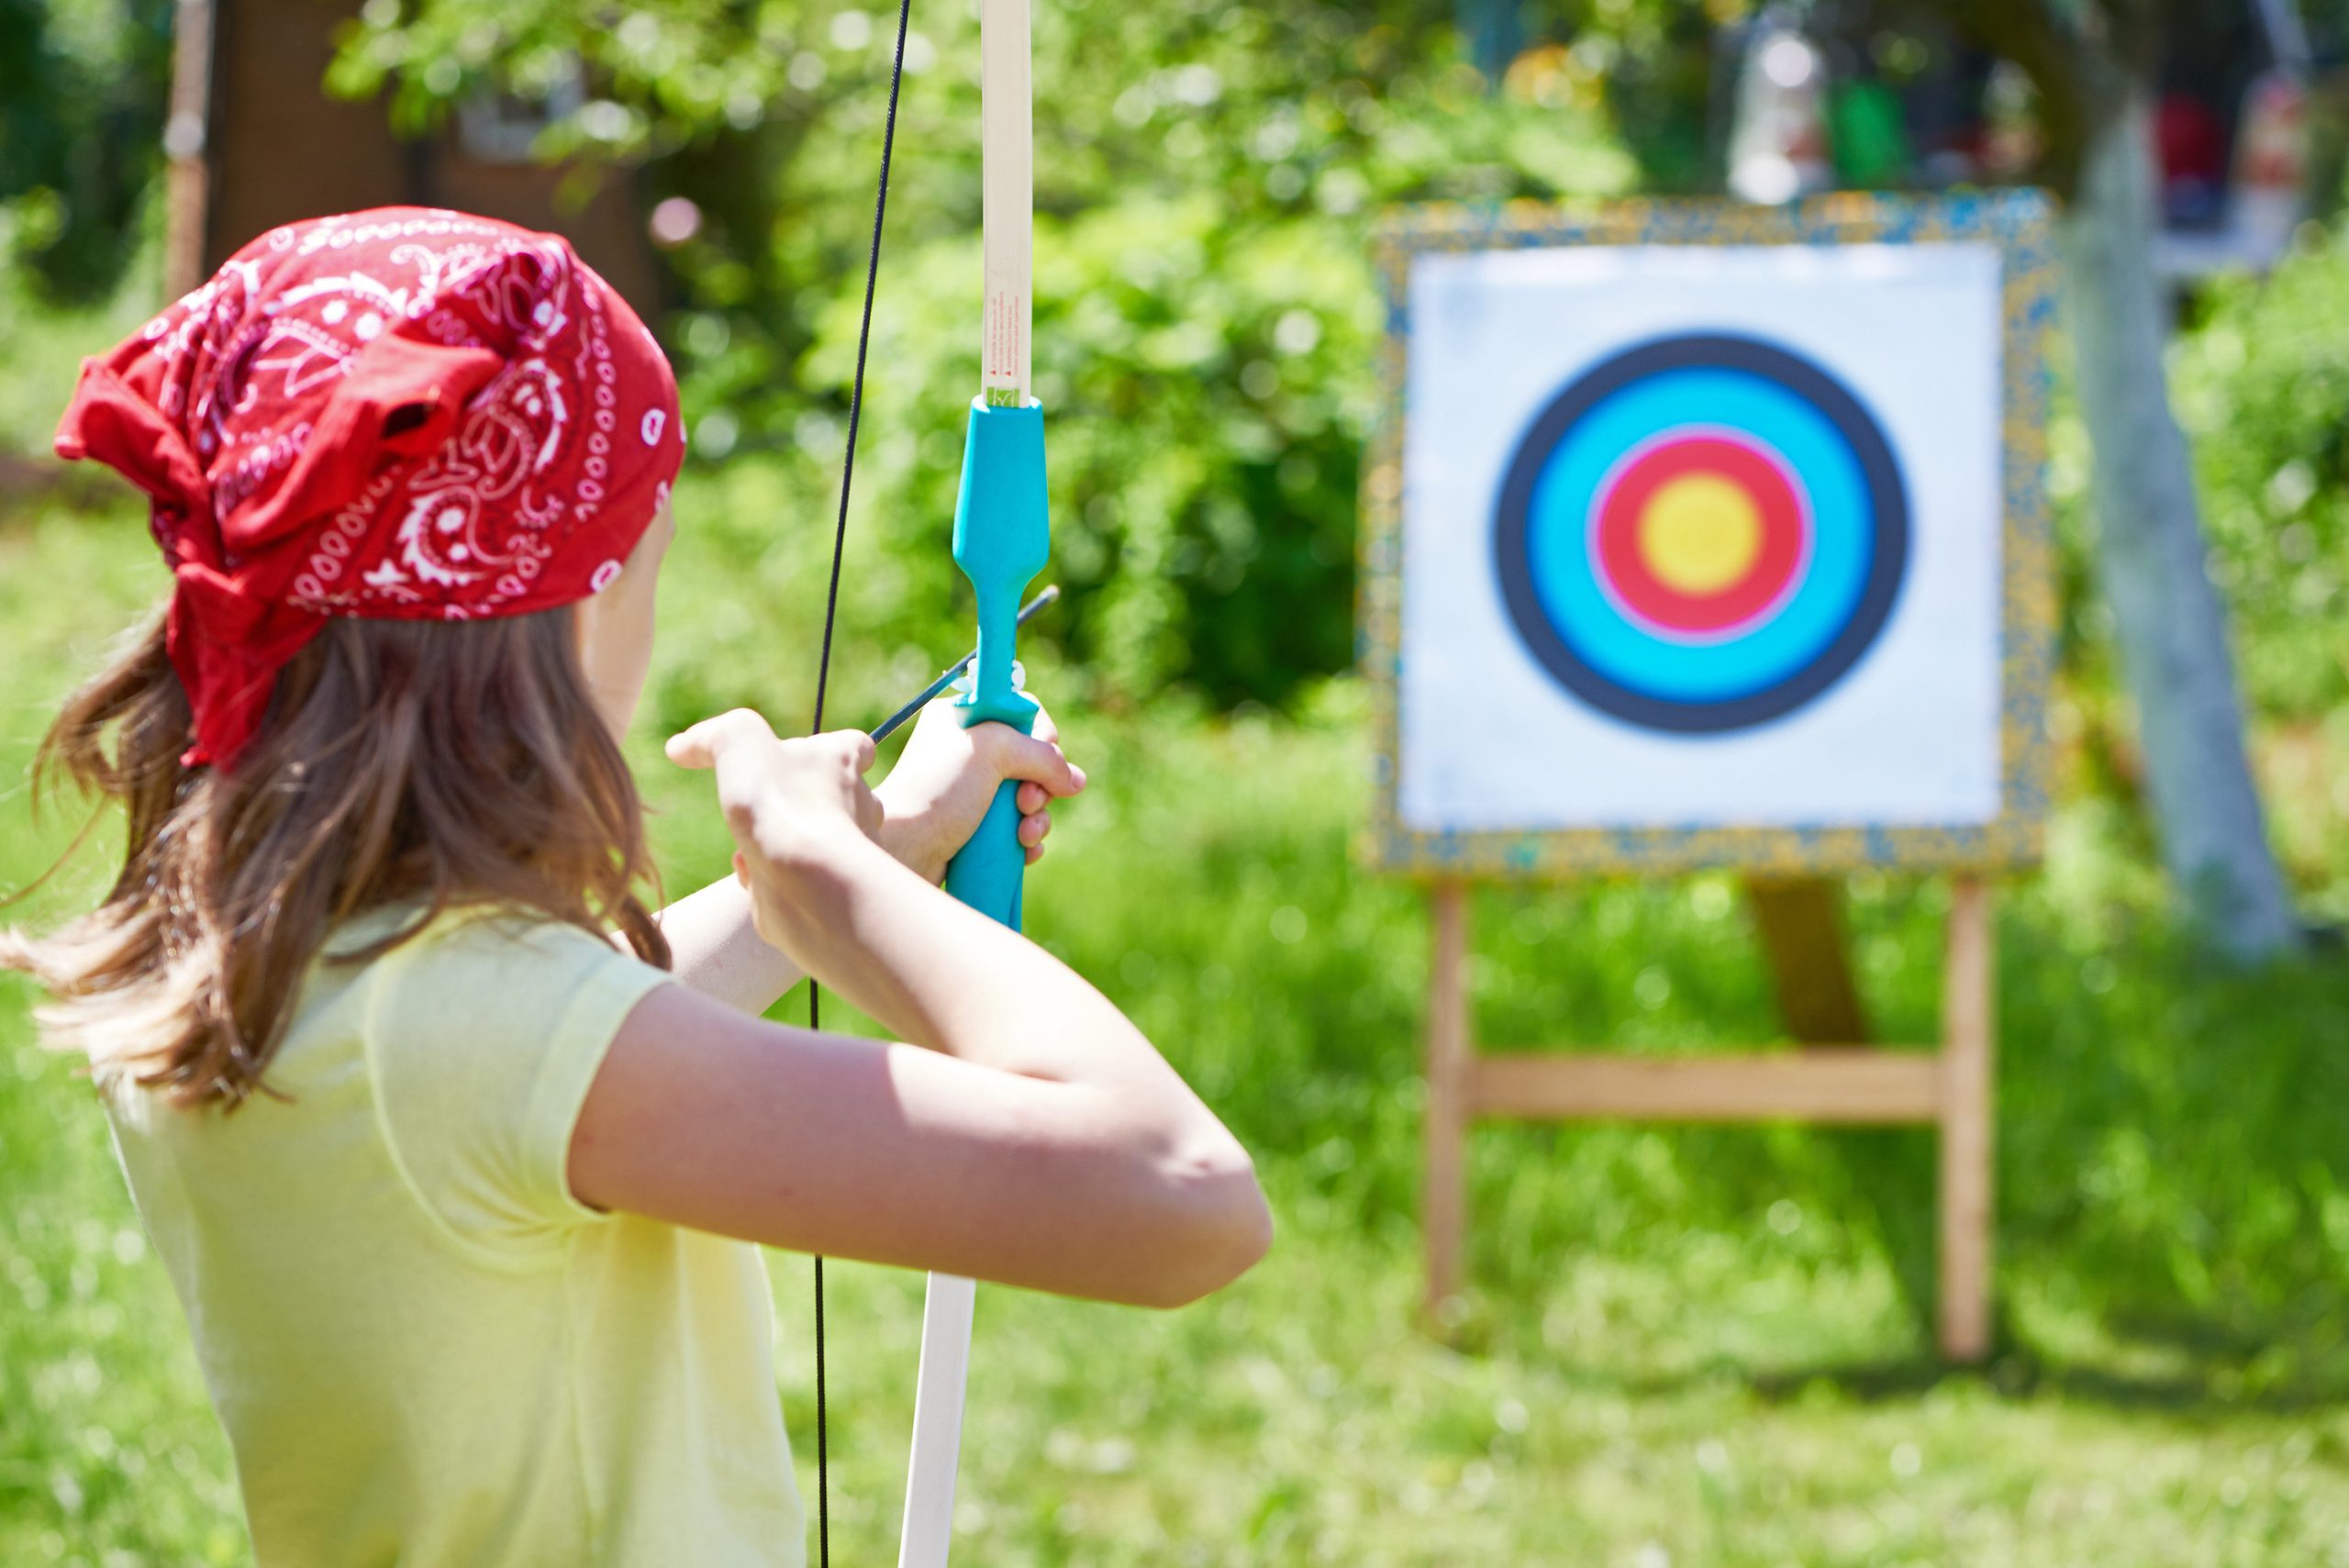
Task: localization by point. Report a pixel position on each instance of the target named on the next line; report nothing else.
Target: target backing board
(1709, 535)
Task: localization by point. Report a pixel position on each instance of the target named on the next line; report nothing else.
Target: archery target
(1701, 533)
(1695, 537)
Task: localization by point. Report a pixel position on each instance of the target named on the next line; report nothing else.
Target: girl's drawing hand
(933, 799)
(793, 806)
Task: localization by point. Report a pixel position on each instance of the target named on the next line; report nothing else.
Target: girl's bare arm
(714, 949)
(1038, 1141)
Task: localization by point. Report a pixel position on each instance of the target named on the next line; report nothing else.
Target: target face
(1702, 534)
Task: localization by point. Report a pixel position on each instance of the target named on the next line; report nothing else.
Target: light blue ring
(1826, 473)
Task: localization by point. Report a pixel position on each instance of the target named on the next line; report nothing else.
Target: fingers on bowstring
(698, 747)
(860, 749)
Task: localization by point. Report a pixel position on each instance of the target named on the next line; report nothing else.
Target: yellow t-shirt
(426, 1352)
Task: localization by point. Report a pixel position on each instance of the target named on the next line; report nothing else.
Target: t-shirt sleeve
(482, 1040)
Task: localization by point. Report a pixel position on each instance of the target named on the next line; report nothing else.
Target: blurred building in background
(253, 143)
(1823, 97)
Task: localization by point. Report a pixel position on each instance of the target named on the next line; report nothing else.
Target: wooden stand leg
(1800, 922)
(1445, 1194)
(1968, 1059)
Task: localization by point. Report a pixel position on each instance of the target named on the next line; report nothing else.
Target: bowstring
(823, 682)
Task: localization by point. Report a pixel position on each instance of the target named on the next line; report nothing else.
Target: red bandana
(401, 414)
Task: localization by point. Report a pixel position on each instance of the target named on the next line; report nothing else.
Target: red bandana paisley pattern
(401, 414)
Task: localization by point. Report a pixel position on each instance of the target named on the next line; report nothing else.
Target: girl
(454, 1151)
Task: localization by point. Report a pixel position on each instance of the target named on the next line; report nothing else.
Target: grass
(1683, 1346)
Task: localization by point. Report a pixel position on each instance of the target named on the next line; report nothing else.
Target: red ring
(1623, 568)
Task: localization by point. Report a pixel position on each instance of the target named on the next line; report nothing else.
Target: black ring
(1512, 540)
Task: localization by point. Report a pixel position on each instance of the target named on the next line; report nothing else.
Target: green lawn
(1683, 1346)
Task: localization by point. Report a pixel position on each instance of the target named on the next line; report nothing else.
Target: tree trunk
(2172, 627)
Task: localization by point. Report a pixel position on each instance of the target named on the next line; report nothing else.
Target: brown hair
(458, 765)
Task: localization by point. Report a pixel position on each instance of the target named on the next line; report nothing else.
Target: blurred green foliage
(81, 101)
(2263, 386)
(2261, 381)
(1207, 321)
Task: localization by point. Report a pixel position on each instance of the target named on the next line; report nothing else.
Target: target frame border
(1888, 564)
(2019, 224)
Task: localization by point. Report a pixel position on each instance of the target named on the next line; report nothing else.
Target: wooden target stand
(1831, 1078)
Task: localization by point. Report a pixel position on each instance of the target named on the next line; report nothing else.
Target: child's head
(410, 469)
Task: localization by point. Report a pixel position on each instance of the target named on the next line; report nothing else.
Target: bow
(1002, 537)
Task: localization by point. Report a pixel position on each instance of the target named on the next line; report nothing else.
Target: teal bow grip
(1002, 539)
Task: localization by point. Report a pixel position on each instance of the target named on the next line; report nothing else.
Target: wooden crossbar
(1856, 1085)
